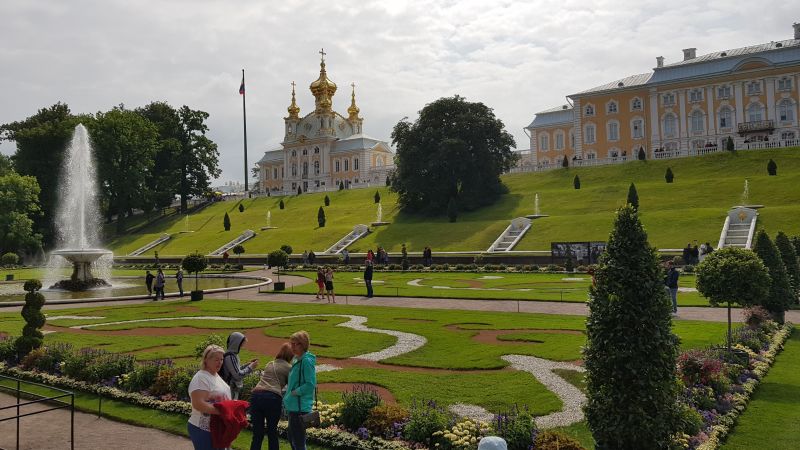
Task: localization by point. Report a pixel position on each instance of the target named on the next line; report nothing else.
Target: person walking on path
(687, 254)
(159, 286)
(267, 398)
(205, 389)
(232, 371)
(179, 280)
(320, 283)
(299, 398)
(329, 284)
(368, 277)
(671, 284)
(148, 281)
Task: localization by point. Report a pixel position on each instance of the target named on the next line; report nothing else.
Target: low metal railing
(57, 399)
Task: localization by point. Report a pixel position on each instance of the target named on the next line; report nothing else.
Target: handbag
(308, 420)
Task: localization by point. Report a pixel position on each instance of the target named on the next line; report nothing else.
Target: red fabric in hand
(226, 425)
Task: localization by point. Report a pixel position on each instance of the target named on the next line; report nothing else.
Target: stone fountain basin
(84, 255)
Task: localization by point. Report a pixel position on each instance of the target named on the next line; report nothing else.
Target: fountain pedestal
(82, 277)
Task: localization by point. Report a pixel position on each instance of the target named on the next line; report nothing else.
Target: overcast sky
(516, 57)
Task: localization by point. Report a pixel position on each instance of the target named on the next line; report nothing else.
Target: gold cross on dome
(322, 52)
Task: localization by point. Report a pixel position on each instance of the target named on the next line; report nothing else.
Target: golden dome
(353, 109)
(323, 88)
(293, 109)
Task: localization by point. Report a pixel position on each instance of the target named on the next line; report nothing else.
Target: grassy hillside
(693, 207)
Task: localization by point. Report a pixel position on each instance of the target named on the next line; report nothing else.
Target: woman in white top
(206, 388)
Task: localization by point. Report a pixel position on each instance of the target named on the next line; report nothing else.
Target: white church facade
(324, 149)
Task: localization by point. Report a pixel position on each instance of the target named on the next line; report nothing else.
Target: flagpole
(244, 123)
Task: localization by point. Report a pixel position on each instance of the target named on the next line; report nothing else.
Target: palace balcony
(758, 125)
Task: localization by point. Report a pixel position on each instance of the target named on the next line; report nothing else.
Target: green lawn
(488, 286)
(693, 207)
(772, 417)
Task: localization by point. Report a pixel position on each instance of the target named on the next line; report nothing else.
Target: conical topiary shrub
(669, 176)
(630, 352)
(576, 182)
(226, 222)
(780, 295)
(633, 197)
(789, 258)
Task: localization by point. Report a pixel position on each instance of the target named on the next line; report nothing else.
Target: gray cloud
(517, 57)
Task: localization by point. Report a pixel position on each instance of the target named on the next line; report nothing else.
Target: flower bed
(718, 384)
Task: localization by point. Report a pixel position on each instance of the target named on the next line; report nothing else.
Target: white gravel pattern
(571, 396)
(406, 342)
(74, 317)
(474, 412)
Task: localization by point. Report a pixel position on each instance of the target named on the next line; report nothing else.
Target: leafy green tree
(194, 263)
(226, 222)
(377, 197)
(327, 201)
(633, 197)
(9, 259)
(454, 150)
(780, 295)
(732, 275)
(772, 168)
(125, 145)
(321, 217)
(162, 181)
(669, 176)
(238, 249)
(199, 158)
(279, 259)
(790, 260)
(287, 249)
(796, 243)
(19, 206)
(41, 141)
(631, 352)
(576, 182)
(452, 210)
(31, 337)
(281, 205)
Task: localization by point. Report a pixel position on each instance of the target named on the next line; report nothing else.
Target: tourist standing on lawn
(427, 257)
(179, 280)
(320, 283)
(671, 284)
(329, 284)
(267, 398)
(148, 281)
(346, 257)
(160, 282)
(370, 255)
(233, 372)
(299, 398)
(205, 389)
(368, 277)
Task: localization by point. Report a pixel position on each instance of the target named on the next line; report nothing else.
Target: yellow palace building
(746, 97)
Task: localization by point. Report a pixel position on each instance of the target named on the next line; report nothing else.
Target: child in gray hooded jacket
(233, 372)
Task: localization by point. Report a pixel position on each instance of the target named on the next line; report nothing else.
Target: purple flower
(362, 433)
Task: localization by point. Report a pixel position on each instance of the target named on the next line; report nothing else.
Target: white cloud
(517, 57)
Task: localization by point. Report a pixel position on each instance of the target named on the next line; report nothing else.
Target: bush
(94, 365)
(772, 168)
(31, 337)
(382, 420)
(143, 376)
(248, 383)
(52, 357)
(780, 295)
(321, 217)
(755, 316)
(552, 268)
(281, 205)
(517, 428)
(211, 339)
(576, 182)
(9, 259)
(8, 351)
(241, 208)
(689, 420)
(669, 176)
(172, 381)
(287, 249)
(555, 440)
(278, 258)
(377, 197)
(31, 359)
(356, 405)
(327, 200)
(424, 419)
(688, 268)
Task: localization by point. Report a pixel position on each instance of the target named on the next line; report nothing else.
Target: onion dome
(323, 88)
(353, 109)
(294, 110)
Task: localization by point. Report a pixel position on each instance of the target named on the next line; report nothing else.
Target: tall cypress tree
(321, 217)
(780, 292)
(576, 182)
(633, 197)
(631, 352)
(790, 261)
(226, 222)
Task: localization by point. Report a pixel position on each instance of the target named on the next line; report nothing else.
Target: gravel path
(50, 431)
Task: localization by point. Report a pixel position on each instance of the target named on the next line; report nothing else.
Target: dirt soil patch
(385, 394)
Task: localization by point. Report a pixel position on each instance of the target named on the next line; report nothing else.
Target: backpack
(226, 375)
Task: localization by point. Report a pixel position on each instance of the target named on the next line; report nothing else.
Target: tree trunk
(729, 327)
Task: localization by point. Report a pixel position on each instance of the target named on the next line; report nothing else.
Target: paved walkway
(51, 431)
(526, 306)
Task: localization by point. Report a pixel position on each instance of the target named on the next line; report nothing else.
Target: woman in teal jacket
(299, 398)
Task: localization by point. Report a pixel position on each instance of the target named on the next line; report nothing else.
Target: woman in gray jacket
(232, 371)
(267, 397)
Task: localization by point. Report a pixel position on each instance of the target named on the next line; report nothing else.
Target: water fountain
(78, 217)
(536, 213)
(269, 222)
(745, 199)
(379, 217)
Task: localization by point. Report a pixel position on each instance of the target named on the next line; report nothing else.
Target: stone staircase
(163, 238)
(739, 228)
(358, 232)
(247, 234)
(511, 235)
